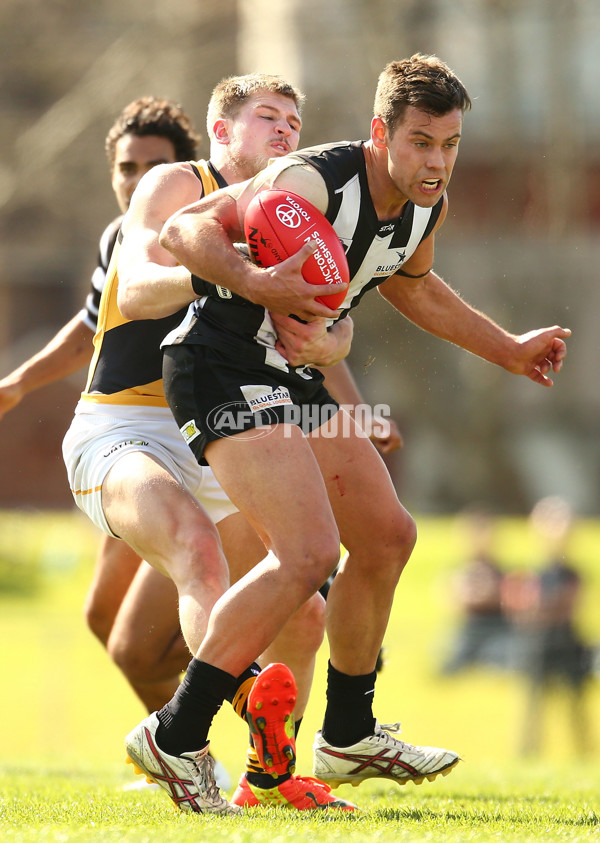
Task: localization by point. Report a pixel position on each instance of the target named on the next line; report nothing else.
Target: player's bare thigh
(360, 489)
(274, 479)
(148, 508)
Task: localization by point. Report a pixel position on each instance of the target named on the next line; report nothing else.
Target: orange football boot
(302, 793)
(270, 715)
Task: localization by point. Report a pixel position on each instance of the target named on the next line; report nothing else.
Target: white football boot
(188, 779)
(380, 756)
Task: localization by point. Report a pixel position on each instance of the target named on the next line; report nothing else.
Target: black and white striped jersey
(375, 250)
(89, 314)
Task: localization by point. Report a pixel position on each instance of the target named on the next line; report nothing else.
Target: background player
(149, 131)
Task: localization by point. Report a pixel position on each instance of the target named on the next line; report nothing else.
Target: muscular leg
(165, 525)
(146, 641)
(298, 642)
(379, 535)
(116, 566)
(276, 482)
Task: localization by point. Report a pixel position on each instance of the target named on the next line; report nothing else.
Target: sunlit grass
(65, 710)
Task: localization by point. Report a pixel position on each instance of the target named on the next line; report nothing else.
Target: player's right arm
(67, 352)
(152, 284)
(201, 237)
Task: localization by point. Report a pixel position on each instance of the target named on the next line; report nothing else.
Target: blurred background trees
(520, 241)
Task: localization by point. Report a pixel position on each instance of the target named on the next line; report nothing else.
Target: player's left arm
(432, 305)
(67, 352)
(426, 299)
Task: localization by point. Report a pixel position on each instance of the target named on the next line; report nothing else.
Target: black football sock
(349, 713)
(265, 780)
(297, 726)
(187, 717)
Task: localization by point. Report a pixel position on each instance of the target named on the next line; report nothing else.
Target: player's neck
(387, 200)
(235, 171)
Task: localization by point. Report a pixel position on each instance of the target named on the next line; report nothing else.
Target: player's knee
(408, 536)
(392, 548)
(98, 620)
(198, 559)
(308, 624)
(131, 661)
(321, 560)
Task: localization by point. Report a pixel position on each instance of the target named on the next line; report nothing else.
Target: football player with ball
(291, 460)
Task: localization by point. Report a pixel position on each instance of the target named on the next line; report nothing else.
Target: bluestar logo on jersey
(260, 396)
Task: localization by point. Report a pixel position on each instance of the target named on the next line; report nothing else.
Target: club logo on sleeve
(263, 397)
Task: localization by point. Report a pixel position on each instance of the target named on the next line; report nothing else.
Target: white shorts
(101, 434)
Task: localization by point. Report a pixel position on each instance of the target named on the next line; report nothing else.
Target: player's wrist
(198, 285)
(255, 285)
(13, 390)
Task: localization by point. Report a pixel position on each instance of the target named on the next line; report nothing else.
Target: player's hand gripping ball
(278, 223)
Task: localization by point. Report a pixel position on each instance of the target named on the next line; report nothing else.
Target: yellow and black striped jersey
(127, 364)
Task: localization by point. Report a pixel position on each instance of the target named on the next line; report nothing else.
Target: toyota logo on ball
(288, 216)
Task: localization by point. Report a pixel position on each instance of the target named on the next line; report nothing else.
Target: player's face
(266, 126)
(421, 154)
(134, 156)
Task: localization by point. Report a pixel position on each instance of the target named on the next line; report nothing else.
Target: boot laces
(384, 729)
(204, 767)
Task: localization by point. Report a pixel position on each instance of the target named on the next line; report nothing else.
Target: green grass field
(65, 711)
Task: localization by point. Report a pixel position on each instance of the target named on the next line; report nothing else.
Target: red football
(278, 223)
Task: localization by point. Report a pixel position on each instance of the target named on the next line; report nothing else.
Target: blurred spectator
(483, 637)
(548, 648)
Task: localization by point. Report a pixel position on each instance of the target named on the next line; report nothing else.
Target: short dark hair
(153, 116)
(231, 93)
(423, 82)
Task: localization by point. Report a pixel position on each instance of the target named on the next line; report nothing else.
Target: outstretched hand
(540, 352)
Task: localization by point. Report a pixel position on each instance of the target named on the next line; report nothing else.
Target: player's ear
(378, 133)
(221, 131)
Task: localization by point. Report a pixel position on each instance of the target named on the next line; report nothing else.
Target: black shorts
(213, 394)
